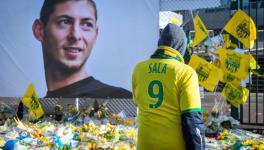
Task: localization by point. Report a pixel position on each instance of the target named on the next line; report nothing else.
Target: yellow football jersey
(163, 89)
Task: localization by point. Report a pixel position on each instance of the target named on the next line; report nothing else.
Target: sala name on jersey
(157, 68)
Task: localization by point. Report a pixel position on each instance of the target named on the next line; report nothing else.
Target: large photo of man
(88, 49)
(67, 30)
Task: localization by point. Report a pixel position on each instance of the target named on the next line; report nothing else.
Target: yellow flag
(200, 31)
(234, 63)
(227, 77)
(242, 27)
(30, 100)
(208, 74)
(227, 40)
(228, 44)
(235, 94)
(253, 63)
(233, 46)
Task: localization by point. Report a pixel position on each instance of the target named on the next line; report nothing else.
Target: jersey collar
(167, 52)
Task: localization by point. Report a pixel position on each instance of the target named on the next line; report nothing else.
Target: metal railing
(252, 113)
(215, 14)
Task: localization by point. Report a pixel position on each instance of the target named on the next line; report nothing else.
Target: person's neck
(56, 79)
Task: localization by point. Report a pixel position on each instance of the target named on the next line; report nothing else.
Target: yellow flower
(2, 142)
(225, 132)
(123, 146)
(247, 142)
(129, 122)
(131, 133)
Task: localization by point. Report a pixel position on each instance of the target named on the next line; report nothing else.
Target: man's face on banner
(69, 35)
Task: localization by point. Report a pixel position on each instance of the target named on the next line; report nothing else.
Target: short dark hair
(48, 8)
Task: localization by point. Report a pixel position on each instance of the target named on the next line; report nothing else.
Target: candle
(77, 104)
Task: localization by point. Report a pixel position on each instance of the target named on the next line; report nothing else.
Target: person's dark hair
(49, 6)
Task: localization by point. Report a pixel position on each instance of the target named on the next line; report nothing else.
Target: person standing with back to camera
(67, 30)
(166, 92)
